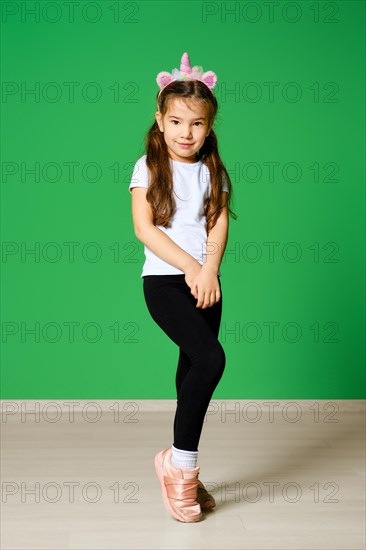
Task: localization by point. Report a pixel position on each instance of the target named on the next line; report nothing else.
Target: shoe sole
(159, 472)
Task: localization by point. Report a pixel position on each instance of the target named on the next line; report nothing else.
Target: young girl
(180, 195)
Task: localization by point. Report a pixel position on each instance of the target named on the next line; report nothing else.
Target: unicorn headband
(186, 72)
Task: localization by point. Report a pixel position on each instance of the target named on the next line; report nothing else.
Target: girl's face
(184, 125)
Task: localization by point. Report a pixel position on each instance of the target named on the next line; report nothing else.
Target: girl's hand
(205, 287)
(191, 272)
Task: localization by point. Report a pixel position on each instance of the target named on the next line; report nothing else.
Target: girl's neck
(186, 161)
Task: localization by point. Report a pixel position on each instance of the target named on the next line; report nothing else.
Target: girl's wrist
(208, 267)
(191, 264)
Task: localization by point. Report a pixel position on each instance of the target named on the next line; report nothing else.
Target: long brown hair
(160, 190)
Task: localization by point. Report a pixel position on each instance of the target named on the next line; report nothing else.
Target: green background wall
(81, 89)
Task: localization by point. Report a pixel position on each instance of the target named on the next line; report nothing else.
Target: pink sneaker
(179, 488)
(204, 498)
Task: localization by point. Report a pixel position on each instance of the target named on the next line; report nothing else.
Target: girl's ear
(158, 119)
(163, 79)
(210, 124)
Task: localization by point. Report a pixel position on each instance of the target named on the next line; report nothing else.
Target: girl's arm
(155, 239)
(217, 240)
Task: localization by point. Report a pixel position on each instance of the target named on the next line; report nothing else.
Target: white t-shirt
(191, 184)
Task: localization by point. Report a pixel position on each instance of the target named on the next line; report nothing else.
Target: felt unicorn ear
(209, 78)
(163, 79)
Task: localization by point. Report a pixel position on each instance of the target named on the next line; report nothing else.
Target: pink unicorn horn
(185, 65)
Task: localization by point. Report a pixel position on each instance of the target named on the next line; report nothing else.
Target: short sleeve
(140, 174)
(224, 184)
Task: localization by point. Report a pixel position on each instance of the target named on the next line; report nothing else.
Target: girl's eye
(178, 122)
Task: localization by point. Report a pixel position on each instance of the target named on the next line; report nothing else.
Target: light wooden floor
(278, 484)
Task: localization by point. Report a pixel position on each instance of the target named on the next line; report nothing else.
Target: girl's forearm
(164, 247)
(216, 244)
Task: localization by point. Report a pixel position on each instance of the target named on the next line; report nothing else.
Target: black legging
(201, 356)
